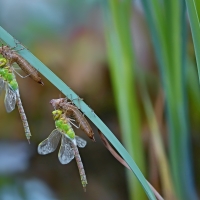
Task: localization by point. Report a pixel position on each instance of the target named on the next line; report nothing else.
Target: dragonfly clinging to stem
(72, 110)
(69, 142)
(13, 57)
(12, 97)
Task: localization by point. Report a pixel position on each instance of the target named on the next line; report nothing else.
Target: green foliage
(167, 23)
(122, 61)
(194, 12)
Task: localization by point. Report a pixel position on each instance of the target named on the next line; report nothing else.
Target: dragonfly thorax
(9, 77)
(57, 114)
(7, 74)
(63, 126)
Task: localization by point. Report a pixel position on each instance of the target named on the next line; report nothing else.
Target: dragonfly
(72, 110)
(69, 142)
(13, 57)
(12, 96)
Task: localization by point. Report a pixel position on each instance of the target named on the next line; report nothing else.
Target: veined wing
(2, 85)
(49, 145)
(80, 142)
(66, 152)
(10, 98)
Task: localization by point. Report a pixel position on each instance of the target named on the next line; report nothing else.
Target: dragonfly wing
(66, 152)
(49, 145)
(2, 85)
(80, 142)
(10, 99)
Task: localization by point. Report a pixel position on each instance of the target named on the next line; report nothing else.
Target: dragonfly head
(57, 114)
(3, 61)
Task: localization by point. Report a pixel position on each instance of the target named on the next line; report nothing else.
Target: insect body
(12, 97)
(71, 110)
(12, 56)
(69, 142)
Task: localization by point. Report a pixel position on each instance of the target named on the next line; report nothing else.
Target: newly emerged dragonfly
(13, 57)
(12, 96)
(72, 111)
(69, 142)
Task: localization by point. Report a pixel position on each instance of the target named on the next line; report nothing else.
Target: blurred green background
(133, 63)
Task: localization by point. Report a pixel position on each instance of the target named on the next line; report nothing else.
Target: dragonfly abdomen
(83, 123)
(80, 167)
(27, 68)
(23, 118)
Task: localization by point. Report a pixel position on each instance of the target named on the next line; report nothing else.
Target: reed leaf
(122, 64)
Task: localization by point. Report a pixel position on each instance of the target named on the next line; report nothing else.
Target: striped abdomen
(23, 118)
(27, 68)
(80, 167)
(12, 56)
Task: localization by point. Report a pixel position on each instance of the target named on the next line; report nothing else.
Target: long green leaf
(6, 37)
(122, 67)
(195, 28)
(170, 52)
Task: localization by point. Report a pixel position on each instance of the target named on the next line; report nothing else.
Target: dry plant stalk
(121, 160)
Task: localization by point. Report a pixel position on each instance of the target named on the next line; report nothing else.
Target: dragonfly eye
(56, 114)
(55, 117)
(2, 62)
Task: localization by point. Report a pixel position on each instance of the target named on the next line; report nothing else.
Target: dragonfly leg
(77, 99)
(21, 75)
(18, 68)
(16, 44)
(70, 121)
(20, 49)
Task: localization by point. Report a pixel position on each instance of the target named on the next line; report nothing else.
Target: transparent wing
(10, 99)
(49, 145)
(66, 152)
(80, 142)
(2, 85)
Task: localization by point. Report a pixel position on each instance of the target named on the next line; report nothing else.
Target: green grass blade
(157, 143)
(170, 50)
(45, 71)
(122, 65)
(197, 5)
(193, 9)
